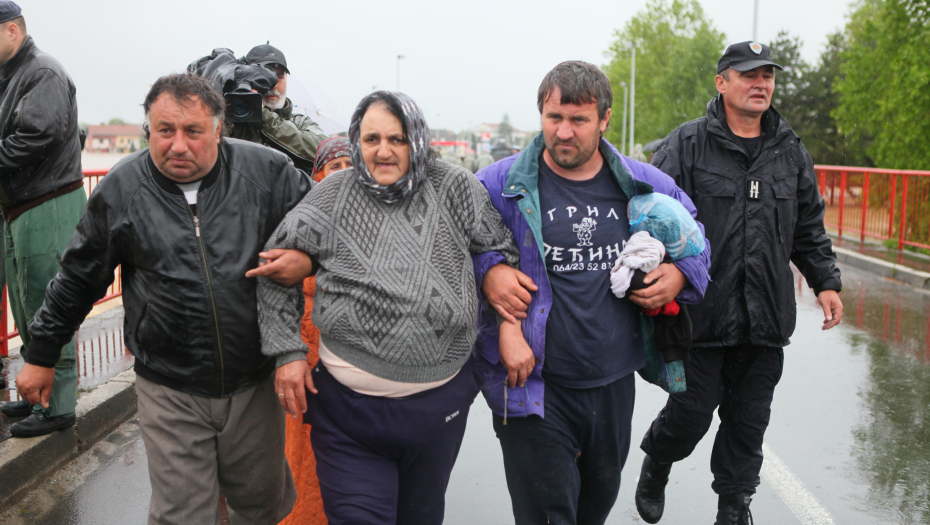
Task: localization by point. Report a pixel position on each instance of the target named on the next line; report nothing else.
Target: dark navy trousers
(739, 382)
(387, 461)
(565, 469)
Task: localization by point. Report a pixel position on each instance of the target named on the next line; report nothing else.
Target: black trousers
(565, 469)
(741, 382)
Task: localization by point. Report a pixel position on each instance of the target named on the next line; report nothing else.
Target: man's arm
(812, 251)
(87, 267)
(299, 134)
(695, 269)
(42, 124)
(280, 308)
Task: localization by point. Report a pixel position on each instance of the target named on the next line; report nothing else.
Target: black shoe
(650, 491)
(40, 425)
(2, 382)
(21, 408)
(733, 509)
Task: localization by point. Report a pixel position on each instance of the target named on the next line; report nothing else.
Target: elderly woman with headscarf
(332, 155)
(396, 301)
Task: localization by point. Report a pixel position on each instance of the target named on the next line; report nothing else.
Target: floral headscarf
(330, 149)
(418, 137)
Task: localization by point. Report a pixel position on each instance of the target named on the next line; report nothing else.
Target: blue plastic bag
(666, 220)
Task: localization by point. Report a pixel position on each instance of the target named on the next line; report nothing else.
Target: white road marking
(800, 500)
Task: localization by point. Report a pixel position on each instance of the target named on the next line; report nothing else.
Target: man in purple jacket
(558, 373)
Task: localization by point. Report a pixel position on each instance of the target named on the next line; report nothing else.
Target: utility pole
(755, 23)
(399, 58)
(626, 100)
(632, 92)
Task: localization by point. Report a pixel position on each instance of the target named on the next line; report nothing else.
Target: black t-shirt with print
(592, 337)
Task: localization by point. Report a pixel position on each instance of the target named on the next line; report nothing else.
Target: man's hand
(669, 281)
(291, 380)
(34, 384)
(832, 306)
(516, 355)
(287, 267)
(506, 290)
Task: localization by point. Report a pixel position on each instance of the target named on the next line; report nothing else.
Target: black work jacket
(191, 318)
(758, 218)
(40, 148)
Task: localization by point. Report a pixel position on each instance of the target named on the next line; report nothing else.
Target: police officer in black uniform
(755, 190)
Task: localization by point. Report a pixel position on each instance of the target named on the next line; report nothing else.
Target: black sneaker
(733, 509)
(21, 408)
(650, 491)
(40, 425)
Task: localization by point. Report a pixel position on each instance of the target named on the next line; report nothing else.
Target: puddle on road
(100, 356)
(890, 452)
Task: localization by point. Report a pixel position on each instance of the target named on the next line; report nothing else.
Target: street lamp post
(399, 58)
(626, 100)
(632, 91)
(755, 22)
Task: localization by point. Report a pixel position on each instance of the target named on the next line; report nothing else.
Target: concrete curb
(27, 462)
(883, 268)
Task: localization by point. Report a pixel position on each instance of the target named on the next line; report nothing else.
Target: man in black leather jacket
(754, 187)
(186, 218)
(41, 199)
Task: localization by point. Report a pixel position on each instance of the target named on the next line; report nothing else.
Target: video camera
(236, 81)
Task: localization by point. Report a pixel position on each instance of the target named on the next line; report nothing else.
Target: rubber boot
(733, 509)
(650, 491)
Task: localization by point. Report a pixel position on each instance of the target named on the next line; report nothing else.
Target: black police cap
(745, 56)
(9, 11)
(266, 54)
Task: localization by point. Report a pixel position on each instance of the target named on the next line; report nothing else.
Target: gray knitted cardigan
(395, 291)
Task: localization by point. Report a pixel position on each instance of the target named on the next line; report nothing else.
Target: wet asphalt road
(850, 430)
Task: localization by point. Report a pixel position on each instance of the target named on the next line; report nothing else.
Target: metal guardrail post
(842, 203)
(865, 208)
(892, 196)
(903, 213)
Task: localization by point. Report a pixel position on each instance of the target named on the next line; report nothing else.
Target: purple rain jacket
(512, 185)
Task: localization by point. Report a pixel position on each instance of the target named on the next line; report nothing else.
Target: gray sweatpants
(199, 446)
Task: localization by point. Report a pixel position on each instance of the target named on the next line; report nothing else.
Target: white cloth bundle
(641, 252)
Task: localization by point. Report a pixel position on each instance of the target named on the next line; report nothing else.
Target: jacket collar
(524, 173)
(774, 127)
(171, 186)
(287, 110)
(12, 65)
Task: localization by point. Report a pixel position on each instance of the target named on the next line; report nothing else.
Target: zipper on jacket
(216, 322)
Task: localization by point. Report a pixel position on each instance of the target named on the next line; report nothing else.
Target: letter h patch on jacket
(754, 189)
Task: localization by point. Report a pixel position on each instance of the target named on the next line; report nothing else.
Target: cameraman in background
(296, 135)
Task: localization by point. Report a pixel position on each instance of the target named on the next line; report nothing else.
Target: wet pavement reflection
(100, 355)
(851, 421)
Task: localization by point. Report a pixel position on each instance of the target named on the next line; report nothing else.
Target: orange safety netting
(308, 510)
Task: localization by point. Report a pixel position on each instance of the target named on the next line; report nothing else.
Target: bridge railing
(91, 178)
(877, 203)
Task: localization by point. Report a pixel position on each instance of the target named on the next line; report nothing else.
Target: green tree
(884, 89)
(792, 84)
(819, 130)
(677, 49)
(117, 120)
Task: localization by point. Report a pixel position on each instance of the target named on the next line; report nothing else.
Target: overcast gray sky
(466, 62)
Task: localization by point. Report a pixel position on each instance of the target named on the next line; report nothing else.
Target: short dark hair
(185, 87)
(20, 22)
(579, 83)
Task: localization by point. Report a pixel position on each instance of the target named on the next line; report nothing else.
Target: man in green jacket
(293, 134)
(41, 200)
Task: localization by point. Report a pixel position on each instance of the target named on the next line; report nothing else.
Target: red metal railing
(877, 203)
(91, 178)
